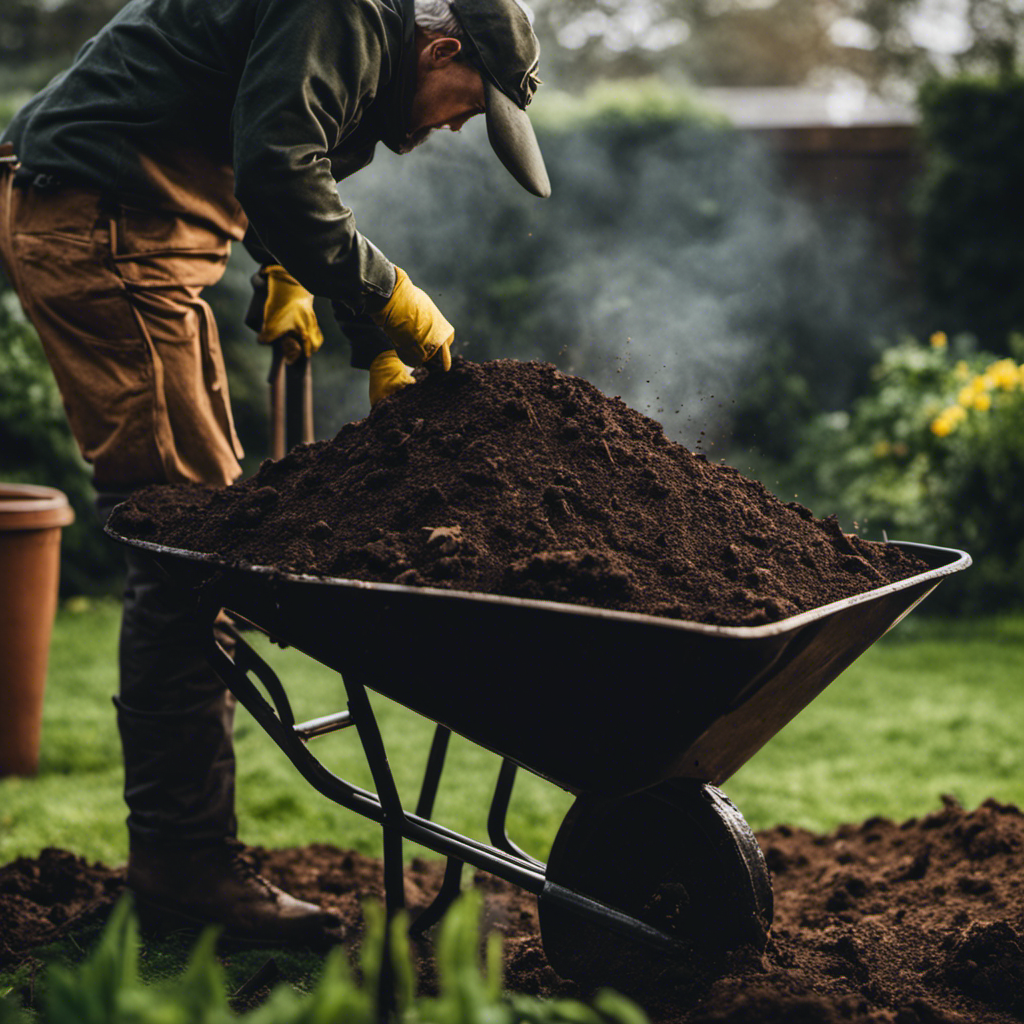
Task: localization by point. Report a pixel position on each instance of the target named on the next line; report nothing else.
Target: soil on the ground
(919, 922)
(514, 478)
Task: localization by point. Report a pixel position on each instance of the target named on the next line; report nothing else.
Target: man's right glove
(415, 325)
(388, 374)
(288, 315)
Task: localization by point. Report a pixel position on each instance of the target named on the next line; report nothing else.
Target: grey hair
(438, 16)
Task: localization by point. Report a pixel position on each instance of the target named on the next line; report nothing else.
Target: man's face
(448, 91)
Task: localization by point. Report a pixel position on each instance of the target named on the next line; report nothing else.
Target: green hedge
(970, 206)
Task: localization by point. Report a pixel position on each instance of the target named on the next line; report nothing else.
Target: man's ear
(444, 50)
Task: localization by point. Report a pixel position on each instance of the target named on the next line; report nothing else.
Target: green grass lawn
(935, 707)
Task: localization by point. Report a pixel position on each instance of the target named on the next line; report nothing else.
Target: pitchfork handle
(291, 402)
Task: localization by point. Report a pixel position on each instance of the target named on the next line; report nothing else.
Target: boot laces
(244, 868)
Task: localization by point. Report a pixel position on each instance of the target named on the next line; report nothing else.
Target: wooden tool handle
(291, 403)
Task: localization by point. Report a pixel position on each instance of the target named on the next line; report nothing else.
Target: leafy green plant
(933, 452)
(106, 989)
(36, 447)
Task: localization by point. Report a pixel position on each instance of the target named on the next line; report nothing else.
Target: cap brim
(512, 139)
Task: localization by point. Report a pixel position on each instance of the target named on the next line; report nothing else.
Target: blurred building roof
(804, 108)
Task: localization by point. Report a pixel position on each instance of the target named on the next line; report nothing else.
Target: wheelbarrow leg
(449, 892)
(392, 820)
(432, 775)
(497, 830)
(451, 886)
(390, 801)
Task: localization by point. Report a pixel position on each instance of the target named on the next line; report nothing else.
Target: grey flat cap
(502, 44)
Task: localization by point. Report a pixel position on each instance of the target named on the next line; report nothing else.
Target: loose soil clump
(920, 922)
(514, 478)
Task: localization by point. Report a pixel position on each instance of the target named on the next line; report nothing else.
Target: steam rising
(664, 267)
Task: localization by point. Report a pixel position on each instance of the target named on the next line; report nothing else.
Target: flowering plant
(934, 452)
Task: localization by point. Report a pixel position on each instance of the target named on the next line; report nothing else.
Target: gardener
(182, 126)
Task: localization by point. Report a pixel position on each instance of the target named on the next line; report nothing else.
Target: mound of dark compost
(914, 923)
(514, 478)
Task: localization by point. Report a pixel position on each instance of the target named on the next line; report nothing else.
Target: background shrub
(971, 206)
(37, 448)
(934, 452)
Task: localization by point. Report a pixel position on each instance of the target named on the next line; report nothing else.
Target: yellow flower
(881, 449)
(961, 371)
(946, 422)
(966, 396)
(983, 402)
(939, 340)
(1005, 374)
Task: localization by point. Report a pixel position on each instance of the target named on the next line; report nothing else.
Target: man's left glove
(288, 315)
(388, 374)
(415, 326)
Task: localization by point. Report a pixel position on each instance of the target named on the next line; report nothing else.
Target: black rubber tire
(678, 857)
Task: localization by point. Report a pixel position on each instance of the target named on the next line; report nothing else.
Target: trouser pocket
(136, 356)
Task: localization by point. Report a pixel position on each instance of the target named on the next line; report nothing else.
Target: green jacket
(214, 107)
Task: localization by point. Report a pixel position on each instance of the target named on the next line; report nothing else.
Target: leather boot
(194, 885)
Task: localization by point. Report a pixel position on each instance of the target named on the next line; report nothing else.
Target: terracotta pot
(30, 523)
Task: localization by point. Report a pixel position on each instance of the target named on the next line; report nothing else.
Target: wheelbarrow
(641, 718)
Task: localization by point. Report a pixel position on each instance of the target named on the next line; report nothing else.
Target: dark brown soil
(913, 923)
(513, 478)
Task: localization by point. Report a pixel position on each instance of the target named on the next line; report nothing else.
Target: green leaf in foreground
(106, 988)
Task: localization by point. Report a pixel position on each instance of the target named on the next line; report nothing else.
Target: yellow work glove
(388, 374)
(415, 325)
(288, 316)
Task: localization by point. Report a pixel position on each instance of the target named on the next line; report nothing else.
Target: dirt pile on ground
(913, 923)
(513, 478)
(41, 898)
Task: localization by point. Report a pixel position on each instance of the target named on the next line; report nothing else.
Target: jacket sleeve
(311, 70)
(365, 338)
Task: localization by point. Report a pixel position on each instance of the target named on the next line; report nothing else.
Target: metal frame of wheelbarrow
(762, 677)
(503, 858)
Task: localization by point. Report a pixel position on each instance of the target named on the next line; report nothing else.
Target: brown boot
(213, 883)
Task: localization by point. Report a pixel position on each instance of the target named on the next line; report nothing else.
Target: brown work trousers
(114, 294)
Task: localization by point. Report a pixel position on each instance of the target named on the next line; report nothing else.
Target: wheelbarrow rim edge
(959, 560)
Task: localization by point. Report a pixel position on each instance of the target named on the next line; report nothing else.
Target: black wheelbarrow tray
(640, 717)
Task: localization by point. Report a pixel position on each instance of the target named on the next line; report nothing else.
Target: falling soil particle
(913, 923)
(514, 478)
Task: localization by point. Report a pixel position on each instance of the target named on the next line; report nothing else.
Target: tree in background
(886, 44)
(910, 41)
(39, 38)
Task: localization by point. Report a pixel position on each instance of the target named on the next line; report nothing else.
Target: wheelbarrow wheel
(678, 857)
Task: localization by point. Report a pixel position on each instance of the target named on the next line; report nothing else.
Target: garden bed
(919, 922)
